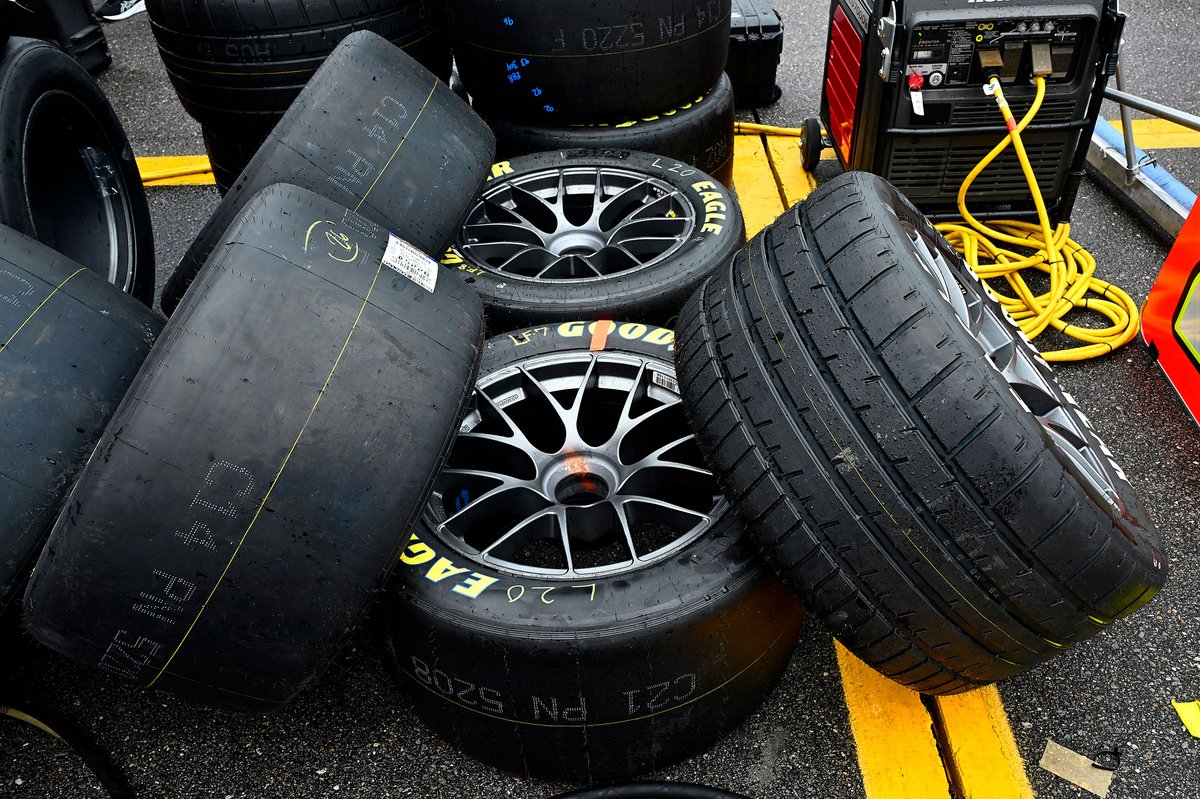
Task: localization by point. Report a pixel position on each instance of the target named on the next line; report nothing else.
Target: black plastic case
(755, 42)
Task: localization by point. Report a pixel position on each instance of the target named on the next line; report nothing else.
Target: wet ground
(353, 733)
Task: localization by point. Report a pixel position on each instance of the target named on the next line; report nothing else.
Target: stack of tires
(571, 514)
(238, 65)
(627, 75)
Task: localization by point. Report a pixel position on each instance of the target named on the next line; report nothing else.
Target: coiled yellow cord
(1071, 268)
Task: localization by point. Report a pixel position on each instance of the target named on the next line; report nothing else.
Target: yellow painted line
(175, 170)
(981, 746)
(758, 193)
(897, 750)
(795, 183)
(1159, 134)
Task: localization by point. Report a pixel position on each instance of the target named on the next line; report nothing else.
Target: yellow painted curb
(758, 192)
(979, 743)
(897, 750)
(175, 170)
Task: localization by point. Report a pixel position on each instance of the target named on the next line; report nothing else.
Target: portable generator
(903, 95)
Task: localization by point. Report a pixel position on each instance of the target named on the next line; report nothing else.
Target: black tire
(259, 479)
(811, 144)
(585, 676)
(68, 177)
(699, 133)
(229, 154)
(70, 344)
(583, 61)
(889, 463)
(371, 123)
(239, 63)
(688, 224)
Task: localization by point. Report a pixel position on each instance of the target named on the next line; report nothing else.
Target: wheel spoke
(501, 232)
(569, 266)
(529, 261)
(645, 248)
(493, 253)
(612, 259)
(624, 204)
(660, 505)
(486, 498)
(521, 526)
(657, 226)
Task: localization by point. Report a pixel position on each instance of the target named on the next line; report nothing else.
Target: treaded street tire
(70, 344)
(67, 175)
(901, 453)
(583, 61)
(373, 131)
(574, 660)
(698, 132)
(580, 233)
(268, 463)
(237, 63)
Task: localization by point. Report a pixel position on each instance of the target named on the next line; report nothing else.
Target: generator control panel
(961, 53)
(903, 96)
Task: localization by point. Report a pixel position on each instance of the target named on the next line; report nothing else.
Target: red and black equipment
(903, 95)
(1171, 315)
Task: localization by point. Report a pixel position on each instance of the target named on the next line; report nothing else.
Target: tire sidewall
(590, 679)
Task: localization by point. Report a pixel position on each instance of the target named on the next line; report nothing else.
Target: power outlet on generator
(965, 54)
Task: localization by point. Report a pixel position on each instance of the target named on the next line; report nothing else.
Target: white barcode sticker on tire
(402, 257)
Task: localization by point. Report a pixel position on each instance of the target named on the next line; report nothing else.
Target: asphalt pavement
(353, 733)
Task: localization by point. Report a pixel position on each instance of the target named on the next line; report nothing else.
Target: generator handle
(886, 28)
(1112, 24)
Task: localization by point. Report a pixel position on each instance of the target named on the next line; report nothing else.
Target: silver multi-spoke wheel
(1021, 367)
(575, 464)
(576, 223)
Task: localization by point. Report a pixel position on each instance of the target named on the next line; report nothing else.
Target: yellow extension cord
(1070, 267)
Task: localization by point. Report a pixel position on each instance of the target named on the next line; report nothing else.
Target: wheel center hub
(580, 489)
(579, 479)
(576, 242)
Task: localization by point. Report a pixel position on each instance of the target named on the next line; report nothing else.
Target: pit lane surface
(353, 734)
